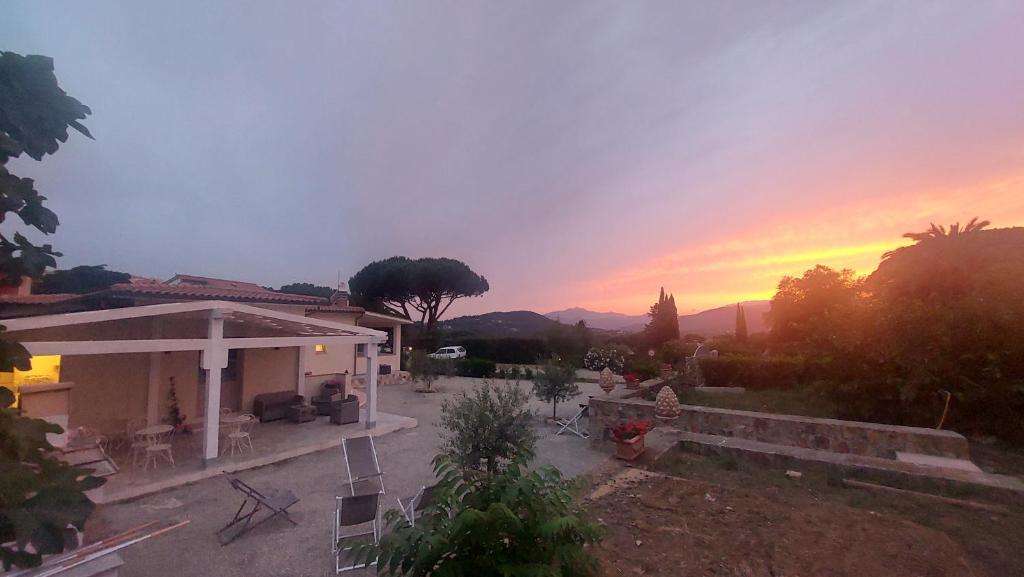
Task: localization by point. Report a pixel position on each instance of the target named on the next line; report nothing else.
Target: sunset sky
(574, 153)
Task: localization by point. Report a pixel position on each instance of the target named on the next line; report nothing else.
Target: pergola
(210, 327)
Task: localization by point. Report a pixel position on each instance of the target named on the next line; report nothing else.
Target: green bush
(645, 368)
(517, 522)
(476, 368)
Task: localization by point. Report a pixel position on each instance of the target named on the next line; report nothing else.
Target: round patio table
(235, 420)
(155, 431)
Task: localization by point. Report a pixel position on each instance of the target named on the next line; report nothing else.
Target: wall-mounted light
(320, 349)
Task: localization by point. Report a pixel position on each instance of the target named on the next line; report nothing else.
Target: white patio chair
(241, 437)
(139, 444)
(160, 447)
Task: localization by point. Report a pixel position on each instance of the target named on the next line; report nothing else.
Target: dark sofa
(273, 406)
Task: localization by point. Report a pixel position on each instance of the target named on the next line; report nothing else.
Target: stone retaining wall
(854, 437)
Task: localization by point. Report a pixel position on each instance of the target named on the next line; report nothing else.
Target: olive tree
(555, 382)
(488, 427)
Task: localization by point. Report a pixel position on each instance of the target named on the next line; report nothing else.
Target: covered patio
(143, 342)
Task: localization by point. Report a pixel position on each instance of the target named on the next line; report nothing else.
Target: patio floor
(272, 442)
(279, 548)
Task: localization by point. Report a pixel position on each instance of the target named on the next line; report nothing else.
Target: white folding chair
(573, 425)
(417, 503)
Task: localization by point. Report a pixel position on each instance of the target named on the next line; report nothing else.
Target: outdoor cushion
(273, 406)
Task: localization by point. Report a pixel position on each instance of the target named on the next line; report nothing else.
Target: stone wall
(853, 437)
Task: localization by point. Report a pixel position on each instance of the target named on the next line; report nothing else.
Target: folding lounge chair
(413, 505)
(349, 512)
(364, 474)
(573, 424)
(277, 502)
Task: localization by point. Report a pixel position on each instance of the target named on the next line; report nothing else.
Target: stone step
(947, 473)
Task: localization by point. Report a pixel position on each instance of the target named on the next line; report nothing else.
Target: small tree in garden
(424, 369)
(555, 382)
(488, 427)
(516, 522)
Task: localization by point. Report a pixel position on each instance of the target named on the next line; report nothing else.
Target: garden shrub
(643, 368)
(611, 356)
(516, 522)
(476, 368)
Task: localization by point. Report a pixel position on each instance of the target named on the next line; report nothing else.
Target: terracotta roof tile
(334, 309)
(37, 299)
(217, 293)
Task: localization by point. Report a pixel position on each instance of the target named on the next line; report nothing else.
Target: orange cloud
(748, 266)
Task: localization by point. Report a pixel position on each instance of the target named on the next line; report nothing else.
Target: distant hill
(501, 324)
(722, 320)
(595, 320)
(711, 322)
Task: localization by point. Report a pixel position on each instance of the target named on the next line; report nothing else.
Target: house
(104, 358)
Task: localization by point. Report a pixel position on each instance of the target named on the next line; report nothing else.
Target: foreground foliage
(517, 522)
(488, 427)
(39, 495)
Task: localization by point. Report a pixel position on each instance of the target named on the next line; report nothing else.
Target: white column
(371, 385)
(215, 358)
(153, 392)
(300, 380)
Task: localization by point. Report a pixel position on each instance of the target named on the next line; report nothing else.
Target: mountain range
(711, 322)
(707, 323)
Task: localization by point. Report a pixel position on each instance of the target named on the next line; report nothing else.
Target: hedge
(505, 350)
(477, 368)
(755, 373)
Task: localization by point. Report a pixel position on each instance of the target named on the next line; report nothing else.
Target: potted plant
(632, 380)
(629, 439)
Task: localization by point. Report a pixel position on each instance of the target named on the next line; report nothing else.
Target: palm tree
(939, 262)
(936, 232)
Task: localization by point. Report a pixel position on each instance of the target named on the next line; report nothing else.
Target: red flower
(630, 429)
(631, 377)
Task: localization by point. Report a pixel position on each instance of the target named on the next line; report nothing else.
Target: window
(361, 350)
(388, 348)
(320, 349)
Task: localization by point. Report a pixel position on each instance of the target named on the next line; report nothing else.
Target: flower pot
(634, 385)
(629, 449)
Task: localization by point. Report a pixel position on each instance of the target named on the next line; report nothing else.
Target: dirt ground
(715, 519)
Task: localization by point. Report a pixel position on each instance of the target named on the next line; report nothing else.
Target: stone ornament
(606, 380)
(666, 404)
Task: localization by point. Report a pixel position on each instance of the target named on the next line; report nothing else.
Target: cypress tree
(741, 324)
